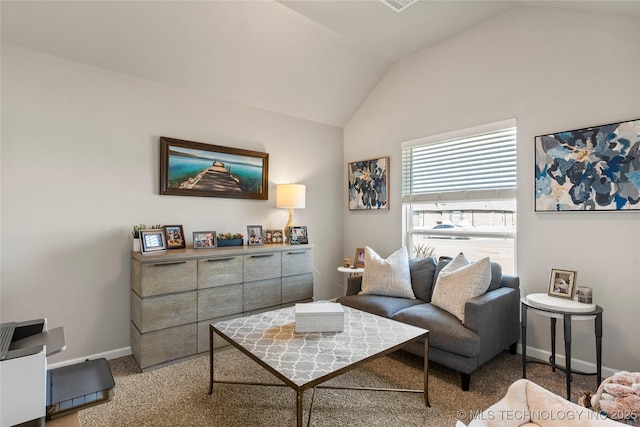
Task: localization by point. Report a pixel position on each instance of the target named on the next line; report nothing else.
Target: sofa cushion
(423, 272)
(389, 277)
(445, 330)
(460, 281)
(496, 272)
(377, 304)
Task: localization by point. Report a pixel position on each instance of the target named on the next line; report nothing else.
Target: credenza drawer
(262, 293)
(163, 277)
(165, 311)
(219, 271)
(296, 261)
(219, 301)
(297, 288)
(155, 348)
(262, 266)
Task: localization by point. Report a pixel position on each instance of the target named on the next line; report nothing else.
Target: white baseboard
(576, 364)
(112, 354)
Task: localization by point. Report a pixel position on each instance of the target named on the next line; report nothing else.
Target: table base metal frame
(566, 317)
(316, 383)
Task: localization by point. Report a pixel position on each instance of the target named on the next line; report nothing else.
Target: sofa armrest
(354, 285)
(510, 281)
(495, 317)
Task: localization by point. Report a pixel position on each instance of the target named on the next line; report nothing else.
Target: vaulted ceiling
(316, 59)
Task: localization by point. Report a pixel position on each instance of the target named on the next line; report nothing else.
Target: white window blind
(471, 167)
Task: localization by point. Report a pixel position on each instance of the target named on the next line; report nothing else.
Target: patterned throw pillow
(390, 277)
(458, 282)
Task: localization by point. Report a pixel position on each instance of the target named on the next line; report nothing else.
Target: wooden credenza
(177, 294)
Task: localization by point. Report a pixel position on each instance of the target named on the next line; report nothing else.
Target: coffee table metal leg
(299, 408)
(426, 371)
(210, 359)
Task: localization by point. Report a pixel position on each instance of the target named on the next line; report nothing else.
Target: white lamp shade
(290, 196)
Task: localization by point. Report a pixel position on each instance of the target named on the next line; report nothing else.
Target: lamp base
(287, 228)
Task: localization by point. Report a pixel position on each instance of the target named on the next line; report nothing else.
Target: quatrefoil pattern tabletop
(304, 357)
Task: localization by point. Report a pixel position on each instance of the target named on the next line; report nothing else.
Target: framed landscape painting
(591, 169)
(195, 169)
(369, 184)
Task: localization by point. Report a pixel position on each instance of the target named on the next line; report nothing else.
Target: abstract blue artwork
(591, 169)
(368, 184)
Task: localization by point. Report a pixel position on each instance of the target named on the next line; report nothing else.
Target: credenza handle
(219, 259)
(261, 255)
(162, 264)
(296, 252)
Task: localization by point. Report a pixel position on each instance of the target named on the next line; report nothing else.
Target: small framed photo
(152, 241)
(175, 236)
(563, 283)
(277, 236)
(358, 259)
(204, 240)
(298, 235)
(268, 236)
(255, 235)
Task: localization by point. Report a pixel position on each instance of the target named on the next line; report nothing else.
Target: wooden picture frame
(175, 236)
(358, 259)
(369, 184)
(254, 235)
(562, 284)
(190, 168)
(152, 241)
(205, 240)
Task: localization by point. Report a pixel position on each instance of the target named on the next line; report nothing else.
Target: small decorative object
(277, 236)
(358, 259)
(290, 196)
(592, 169)
(255, 235)
(585, 294)
(195, 169)
(562, 283)
(230, 239)
(298, 235)
(152, 241)
(319, 317)
(175, 236)
(346, 262)
(369, 184)
(204, 240)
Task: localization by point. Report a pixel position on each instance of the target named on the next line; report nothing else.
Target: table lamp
(290, 196)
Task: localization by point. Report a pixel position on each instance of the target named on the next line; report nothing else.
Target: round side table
(352, 271)
(567, 310)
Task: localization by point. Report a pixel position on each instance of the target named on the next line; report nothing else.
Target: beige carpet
(177, 395)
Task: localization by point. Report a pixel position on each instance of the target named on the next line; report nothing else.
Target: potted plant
(230, 239)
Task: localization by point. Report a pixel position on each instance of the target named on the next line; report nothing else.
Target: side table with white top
(568, 310)
(351, 271)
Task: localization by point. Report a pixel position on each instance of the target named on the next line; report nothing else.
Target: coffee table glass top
(304, 357)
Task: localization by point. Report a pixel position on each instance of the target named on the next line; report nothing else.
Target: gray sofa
(492, 320)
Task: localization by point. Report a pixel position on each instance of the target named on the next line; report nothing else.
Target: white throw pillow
(458, 282)
(389, 277)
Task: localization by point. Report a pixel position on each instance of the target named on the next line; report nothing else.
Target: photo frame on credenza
(152, 241)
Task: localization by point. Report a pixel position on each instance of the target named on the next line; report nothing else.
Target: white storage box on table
(319, 317)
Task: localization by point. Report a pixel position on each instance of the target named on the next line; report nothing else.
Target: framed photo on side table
(563, 283)
(152, 241)
(358, 259)
(255, 235)
(175, 236)
(204, 240)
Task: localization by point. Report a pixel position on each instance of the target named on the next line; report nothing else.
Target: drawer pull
(219, 259)
(261, 255)
(162, 264)
(296, 252)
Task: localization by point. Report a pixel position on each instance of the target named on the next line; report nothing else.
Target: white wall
(80, 167)
(552, 70)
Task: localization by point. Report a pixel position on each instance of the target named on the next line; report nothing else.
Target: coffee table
(305, 360)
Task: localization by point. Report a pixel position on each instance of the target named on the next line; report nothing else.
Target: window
(459, 194)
